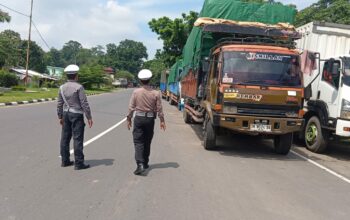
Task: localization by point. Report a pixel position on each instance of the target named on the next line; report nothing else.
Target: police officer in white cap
(145, 103)
(72, 104)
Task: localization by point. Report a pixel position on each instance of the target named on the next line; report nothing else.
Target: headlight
(230, 109)
(292, 114)
(345, 109)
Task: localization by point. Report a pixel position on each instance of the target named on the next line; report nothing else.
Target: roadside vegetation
(31, 94)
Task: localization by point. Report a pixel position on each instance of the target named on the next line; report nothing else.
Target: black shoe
(82, 167)
(140, 169)
(67, 164)
(146, 166)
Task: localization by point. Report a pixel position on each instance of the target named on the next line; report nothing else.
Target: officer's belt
(72, 110)
(145, 114)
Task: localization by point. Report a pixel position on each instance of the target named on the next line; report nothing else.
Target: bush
(8, 79)
(19, 88)
(52, 84)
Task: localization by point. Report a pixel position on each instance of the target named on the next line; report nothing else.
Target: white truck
(327, 88)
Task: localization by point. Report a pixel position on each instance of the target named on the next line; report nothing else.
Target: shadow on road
(339, 150)
(161, 166)
(244, 146)
(103, 162)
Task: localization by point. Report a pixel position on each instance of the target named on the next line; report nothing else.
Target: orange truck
(250, 82)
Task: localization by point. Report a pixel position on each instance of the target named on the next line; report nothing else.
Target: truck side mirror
(205, 64)
(308, 92)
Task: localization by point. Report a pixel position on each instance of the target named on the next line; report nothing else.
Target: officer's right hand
(90, 123)
(162, 126)
(129, 124)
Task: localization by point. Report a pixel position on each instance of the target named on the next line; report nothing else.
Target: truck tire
(172, 102)
(209, 141)
(283, 143)
(316, 140)
(187, 117)
(167, 98)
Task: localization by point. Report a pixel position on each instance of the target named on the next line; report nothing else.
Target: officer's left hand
(61, 121)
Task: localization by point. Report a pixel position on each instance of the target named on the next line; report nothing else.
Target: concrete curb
(35, 101)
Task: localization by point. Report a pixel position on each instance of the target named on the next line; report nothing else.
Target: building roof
(32, 73)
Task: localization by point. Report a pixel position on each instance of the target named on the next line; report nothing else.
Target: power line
(36, 28)
(13, 10)
(41, 36)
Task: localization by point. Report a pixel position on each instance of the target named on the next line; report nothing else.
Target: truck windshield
(347, 66)
(346, 78)
(268, 69)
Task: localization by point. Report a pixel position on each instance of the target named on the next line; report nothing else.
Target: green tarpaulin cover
(174, 72)
(198, 44)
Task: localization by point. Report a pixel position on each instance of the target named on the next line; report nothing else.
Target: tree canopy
(4, 16)
(335, 11)
(157, 67)
(174, 34)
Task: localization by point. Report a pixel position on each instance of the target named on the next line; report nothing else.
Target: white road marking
(102, 134)
(322, 167)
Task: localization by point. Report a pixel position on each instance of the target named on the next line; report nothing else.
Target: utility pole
(29, 38)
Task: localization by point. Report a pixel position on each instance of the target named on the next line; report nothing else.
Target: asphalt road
(242, 179)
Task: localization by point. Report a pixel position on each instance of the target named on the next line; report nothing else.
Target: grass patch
(30, 94)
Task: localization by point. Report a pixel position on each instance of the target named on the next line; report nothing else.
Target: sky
(99, 22)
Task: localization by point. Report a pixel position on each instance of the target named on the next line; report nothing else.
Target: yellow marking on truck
(230, 95)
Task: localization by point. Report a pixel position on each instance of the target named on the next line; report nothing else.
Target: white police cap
(145, 74)
(71, 69)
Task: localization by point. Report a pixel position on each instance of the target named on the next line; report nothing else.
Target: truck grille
(264, 110)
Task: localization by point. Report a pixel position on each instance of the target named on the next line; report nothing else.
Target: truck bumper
(243, 124)
(343, 128)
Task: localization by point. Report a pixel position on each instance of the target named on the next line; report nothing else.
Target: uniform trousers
(142, 135)
(73, 126)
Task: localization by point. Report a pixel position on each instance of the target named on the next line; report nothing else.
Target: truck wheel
(172, 102)
(283, 143)
(167, 98)
(209, 142)
(315, 139)
(187, 117)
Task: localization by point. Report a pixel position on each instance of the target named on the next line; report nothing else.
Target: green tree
(54, 58)
(91, 76)
(36, 56)
(335, 11)
(4, 16)
(111, 57)
(8, 79)
(130, 56)
(85, 56)
(157, 67)
(10, 49)
(70, 51)
(125, 74)
(174, 34)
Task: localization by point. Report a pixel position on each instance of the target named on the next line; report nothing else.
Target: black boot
(81, 166)
(140, 169)
(67, 163)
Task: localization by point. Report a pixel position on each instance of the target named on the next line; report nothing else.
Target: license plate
(260, 127)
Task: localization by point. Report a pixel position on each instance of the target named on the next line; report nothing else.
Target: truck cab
(328, 109)
(255, 89)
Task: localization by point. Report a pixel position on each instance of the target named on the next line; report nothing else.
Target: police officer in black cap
(72, 104)
(145, 102)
